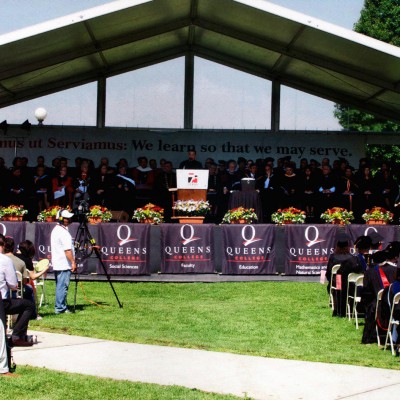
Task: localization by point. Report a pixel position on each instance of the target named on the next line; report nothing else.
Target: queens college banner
(125, 248)
(16, 230)
(248, 249)
(187, 249)
(308, 248)
(43, 243)
(389, 233)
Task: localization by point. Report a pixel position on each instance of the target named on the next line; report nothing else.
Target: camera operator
(62, 258)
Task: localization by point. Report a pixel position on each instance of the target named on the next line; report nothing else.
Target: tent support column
(101, 103)
(275, 106)
(189, 90)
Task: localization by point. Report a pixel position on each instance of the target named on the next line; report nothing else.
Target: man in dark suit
(191, 162)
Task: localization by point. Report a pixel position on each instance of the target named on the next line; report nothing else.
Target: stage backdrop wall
(70, 142)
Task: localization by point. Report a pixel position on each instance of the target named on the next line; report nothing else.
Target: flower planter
(147, 221)
(94, 220)
(238, 221)
(191, 220)
(287, 222)
(12, 218)
(50, 219)
(376, 222)
(338, 222)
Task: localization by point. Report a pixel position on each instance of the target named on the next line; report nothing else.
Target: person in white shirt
(24, 309)
(62, 259)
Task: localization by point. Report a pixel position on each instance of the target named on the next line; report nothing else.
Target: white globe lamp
(40, 114)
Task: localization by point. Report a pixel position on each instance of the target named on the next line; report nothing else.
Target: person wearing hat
(377, 277)
(348, 263)
(384, 312)
(62, 259)
(363, 245)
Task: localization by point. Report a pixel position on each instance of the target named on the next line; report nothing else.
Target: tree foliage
(379, 19)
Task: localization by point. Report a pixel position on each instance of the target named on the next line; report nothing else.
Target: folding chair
(392, 322)
(19, 294)
(357, 299)
(335, 269)
(351, 297)
(378, 301)
(40, 282)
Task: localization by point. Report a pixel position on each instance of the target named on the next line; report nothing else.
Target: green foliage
(271, 319)
(383, 152)
(379, 19)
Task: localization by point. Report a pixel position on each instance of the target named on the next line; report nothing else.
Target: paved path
(256, 377)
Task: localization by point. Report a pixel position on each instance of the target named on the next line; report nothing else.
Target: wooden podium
(192, 194)
(191, 185)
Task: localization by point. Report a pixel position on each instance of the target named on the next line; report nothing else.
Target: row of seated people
(380, 272)
(24, 307)
(311, 187)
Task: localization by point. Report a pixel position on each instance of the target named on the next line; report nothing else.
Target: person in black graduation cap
(379, 276)
(363, 245)
(348, 263)
(340, 254)
(387, 301)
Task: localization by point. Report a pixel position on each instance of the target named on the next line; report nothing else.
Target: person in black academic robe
(380, 276)
(289, 188)
(214, 194)
(348, 263)
(348, 191)
(100, 187)
(42, 189)
(162, 197)
(386, 308)
(367, 189)
(123, 192)
(269, 187)
(327, 187)
(308, 192)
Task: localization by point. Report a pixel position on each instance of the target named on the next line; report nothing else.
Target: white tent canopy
(254, 36)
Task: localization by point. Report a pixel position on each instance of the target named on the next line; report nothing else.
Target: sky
(153, 96)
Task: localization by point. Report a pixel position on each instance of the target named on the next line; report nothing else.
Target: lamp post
(40, 114)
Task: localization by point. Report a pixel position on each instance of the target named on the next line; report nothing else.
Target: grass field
(42, 384)
(272, 319)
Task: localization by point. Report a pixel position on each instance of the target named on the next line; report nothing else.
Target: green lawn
(272, 319)
(42, 384)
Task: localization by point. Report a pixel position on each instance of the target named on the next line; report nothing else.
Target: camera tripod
(85, 246)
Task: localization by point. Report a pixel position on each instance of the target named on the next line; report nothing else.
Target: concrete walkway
(256, 377)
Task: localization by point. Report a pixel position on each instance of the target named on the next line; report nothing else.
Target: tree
(379, 19)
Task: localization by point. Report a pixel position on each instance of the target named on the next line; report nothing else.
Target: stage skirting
(259, 249)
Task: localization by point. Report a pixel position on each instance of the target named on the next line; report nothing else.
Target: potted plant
(290, 215)
(150, 214)
(377, 215)
(98, 214)
(240, 215)
(49, 214)
(12, 213)
(337, 215)
(191, 211)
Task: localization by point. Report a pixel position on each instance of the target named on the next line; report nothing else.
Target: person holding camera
(62, 259)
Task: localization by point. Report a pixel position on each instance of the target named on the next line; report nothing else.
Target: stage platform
(194, 278)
